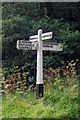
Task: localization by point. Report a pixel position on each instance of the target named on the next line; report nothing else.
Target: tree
(20, 20)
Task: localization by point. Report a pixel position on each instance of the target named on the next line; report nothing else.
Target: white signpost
(51, 46)
(36, 43)
(44, 36)
(26, 45)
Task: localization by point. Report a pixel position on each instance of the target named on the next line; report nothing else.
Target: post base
(39, 90)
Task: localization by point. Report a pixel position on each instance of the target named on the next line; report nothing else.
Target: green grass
(61, 101)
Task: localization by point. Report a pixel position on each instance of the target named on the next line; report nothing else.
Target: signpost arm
(39, 82)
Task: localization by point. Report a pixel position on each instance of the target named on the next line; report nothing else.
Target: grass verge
(59, 102)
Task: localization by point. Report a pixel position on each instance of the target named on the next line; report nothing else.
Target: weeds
(60, 102)
(60, 98)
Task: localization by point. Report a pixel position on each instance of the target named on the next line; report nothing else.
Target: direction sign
(51, 46)
(45, 36)
(26, 45)
(35, 43)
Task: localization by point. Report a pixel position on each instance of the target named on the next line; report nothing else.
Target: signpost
(51, 46)
(26, 45)
(44, 36)
(39, 82)
(36, 43)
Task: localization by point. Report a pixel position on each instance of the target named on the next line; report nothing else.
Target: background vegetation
(20, 21)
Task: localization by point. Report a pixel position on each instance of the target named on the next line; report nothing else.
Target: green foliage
(60, 102)
(13, 30)
(21, 20)
(68, 11)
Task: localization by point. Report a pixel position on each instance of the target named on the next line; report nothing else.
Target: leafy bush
(14, 29)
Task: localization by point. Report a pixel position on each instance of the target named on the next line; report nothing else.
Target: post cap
(39, 30)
